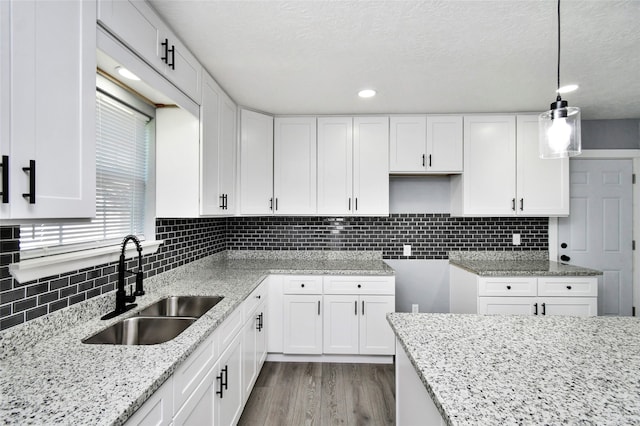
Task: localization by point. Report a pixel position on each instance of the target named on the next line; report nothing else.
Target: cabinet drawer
(190, 373)
(307, 284)
(253, 300)
(359, 285)
(506, 286)
(568, 286)
(229, 328)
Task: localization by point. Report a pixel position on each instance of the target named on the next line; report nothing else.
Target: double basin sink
(157, 323)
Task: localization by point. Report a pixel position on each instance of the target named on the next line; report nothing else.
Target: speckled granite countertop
(515, 370)
(48, 376)
(515, 264)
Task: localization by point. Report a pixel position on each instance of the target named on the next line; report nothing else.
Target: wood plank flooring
(296, 394)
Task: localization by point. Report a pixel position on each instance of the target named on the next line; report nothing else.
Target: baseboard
(350, 359)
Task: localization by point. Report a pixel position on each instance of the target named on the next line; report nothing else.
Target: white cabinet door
(569, 306)
(487, 186)
(210, 196)
(50, 47)
(199, 407)
(294, 176)
(227, 154)
(228, 384)
(180, 66)
(335, 165)
(256, 163)
(506, 305)
(275, 313)
(261, 336)
(376, 335)
(340, 327)
(371, 166)
(157, 410)
(249, 362)
(407, 146)
(444, 144)
(302, 324)
(542, 185)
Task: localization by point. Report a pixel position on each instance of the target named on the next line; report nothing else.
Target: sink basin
(181, 306)
(141, 331)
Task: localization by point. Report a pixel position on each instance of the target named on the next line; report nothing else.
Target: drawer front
(506, 286)
(252, 301)
(229, 328)
(568, 286)
(303, 284)
(359, 285)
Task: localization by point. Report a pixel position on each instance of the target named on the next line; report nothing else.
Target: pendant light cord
(558, 98)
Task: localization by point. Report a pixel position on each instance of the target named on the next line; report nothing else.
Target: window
(122, 146)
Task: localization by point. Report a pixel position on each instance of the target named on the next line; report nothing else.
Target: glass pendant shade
(559, 131)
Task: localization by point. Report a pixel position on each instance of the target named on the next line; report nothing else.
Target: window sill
(40, 267)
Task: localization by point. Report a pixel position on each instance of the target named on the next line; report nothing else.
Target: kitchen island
(504, 370)
(48, 376)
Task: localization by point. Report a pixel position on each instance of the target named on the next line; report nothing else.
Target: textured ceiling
(312, 57)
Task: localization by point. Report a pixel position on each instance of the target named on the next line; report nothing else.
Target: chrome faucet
(121, 296)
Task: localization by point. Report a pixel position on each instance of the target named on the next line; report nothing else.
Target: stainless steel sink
(141, 331)
(181, 306)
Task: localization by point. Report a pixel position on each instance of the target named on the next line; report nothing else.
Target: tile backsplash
(431, 236)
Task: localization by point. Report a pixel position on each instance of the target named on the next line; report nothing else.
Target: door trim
(612, 154)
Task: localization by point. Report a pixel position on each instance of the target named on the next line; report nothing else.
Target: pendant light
(559, 128)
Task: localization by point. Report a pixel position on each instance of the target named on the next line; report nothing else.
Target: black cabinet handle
(363, 308)
(226, 201)
(302, 285)
(5, 179)
(513, 204)
(356, 203)
(565, 258)
(508, 287)
(165, 56)
(423, 163)
(173, 57)
(221, 391)
(429, 160)
(521, 204)
(221, 201)
(568, 287)
(355, 308)
(359, 285)
(318, 307)
(31, 195)
(276, 203)
(270, 203)
(535, 309)
(259, 322)
(544, 309)
(349, 204)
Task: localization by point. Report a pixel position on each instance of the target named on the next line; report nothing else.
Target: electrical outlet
(406, 250)
(414, 308)
(516, 239)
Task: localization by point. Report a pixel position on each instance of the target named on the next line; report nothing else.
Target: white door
(444, 144)
(210, 197)
(227, 151)
(256, 163)
(598, 232)
(507, 305)
(568, 306)
(294, 159)
(376, 336)
(228, 406)
(302, 324)
(341, 316)
(249, 365)
(371, 166)
(542, 185)
(489, 165)
(407, 144)
(335, 165)
(261, 337)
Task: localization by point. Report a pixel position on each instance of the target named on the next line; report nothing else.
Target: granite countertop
(515, 264)
(48, 376)
(513, 370)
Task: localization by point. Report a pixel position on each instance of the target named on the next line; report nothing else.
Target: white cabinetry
(294, 178)
(254, 338)
(217, 151)
(138, 26)
(353, 165)
(425, 144)
(544, 296)
(302, 319)
(157, 410)
(256, 163)
(229, 390)
(48, 54)
(503, 175)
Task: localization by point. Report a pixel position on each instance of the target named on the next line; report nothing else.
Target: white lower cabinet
(228, 385)
(157, 410)
(542, 296)
(302, 324)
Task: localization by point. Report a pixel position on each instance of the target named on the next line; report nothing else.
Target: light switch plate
(406, 250)
(516, 239)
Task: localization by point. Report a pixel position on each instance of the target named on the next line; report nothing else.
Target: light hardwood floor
(296, 394)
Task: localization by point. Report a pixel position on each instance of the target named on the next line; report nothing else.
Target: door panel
(598, 232)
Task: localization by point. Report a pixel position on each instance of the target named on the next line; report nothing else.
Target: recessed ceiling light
(567, 89)
(126, 73)
(367, 93)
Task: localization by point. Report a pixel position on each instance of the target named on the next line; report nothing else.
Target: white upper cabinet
(217, 150)
(353, 173)
(138, 26)
(47, 128)
(542, 185)
(503, 175)
(425, 144)
(256, 163)
(294, 178)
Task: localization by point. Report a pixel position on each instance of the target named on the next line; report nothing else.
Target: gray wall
(611, 134)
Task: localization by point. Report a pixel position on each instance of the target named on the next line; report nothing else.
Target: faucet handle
(139, 290)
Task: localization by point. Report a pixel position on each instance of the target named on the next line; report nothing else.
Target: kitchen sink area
(158, 323)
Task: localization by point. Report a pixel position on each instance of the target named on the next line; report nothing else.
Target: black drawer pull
(31, 195)
(535, 309)
(568, 287)
(359, 285)
(302, 285)
(544, 309)
(508, 287)
(5, 179)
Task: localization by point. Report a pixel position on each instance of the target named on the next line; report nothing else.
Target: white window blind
(122, 140)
